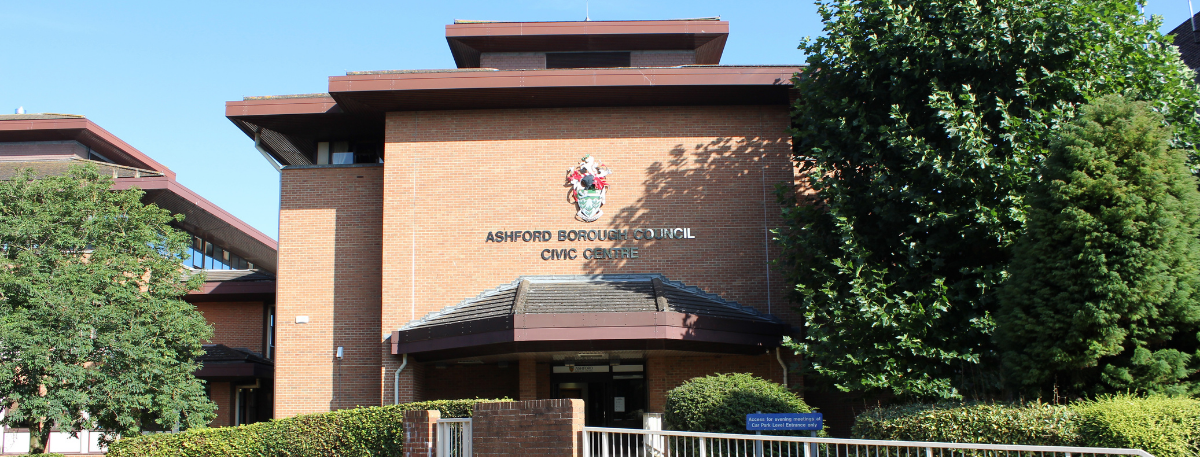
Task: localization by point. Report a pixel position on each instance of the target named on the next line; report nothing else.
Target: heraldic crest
(588, 187)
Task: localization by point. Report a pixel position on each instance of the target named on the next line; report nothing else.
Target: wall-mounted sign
(589, 186)
(582, 369)
(793, 421)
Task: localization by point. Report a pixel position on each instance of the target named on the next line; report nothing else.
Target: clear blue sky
(158, 74)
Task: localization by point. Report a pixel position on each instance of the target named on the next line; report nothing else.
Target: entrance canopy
(589, 313)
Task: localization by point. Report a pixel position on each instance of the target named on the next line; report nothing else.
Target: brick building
(579, 210)
(239, 293)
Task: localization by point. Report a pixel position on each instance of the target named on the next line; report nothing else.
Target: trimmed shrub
(370, 431)
(1029, 424)
(1161, 425)
(50, 454)
(720, 403)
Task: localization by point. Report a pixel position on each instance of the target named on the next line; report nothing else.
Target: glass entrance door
(614, 396)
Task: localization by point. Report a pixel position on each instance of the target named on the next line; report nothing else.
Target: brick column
(527, 372)
(538, 428)
(420, 433)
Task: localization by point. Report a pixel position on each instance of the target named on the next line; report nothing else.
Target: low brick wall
(420, 431)
(529, 428)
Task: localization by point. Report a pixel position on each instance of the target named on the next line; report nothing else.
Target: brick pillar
(527, 372)
(538, 428)
(656, 383)
(420, 433)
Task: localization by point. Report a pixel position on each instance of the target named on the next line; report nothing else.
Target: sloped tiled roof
(223, 353)
(1186, 41)
(58, 167)
(237, 275)
(590, 294)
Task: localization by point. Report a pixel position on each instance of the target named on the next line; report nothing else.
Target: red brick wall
(330, 225)
(450, 177)
(661, 58)
(471, 381)
(453, 176)
(235, 324)
(666, 373)
(528, 378)
(420, 433)
(221, 393)
(513, 60)
(528, 428)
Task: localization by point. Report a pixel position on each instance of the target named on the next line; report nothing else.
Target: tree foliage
(919, 124)
(1105, 282)
(92, 331)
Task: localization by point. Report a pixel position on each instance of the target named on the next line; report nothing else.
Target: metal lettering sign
(792, 421)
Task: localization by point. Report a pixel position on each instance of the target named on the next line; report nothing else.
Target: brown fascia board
(84, 131)
(700, 85)
(562, 327)
(360, 101)
(235, 287)
(199, 203)
(468, 41)
(340, 86)
(233, 291)
(280, 106)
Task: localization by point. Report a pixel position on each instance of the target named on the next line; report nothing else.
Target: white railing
(454, 437)
(621, 442)
(16, 441)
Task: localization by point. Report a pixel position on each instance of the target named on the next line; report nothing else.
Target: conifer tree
(920, 124)
(1105, 282)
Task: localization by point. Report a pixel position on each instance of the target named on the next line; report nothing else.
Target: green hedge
(1032, 424)
(370, 431)
(720, 403)
(1163, 426)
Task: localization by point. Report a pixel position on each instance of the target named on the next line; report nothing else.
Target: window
(587, 59)
(348, 152)
(204, 255)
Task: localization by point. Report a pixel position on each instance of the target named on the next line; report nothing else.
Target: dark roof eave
(561, 327)
(238, 236)
(84, 131)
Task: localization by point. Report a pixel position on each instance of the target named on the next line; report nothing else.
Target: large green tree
(1105, 282)
(93, 333)
(919, 124)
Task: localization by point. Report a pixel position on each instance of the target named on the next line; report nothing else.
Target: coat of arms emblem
(588, 187)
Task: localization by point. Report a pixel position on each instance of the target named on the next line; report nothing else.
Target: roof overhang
(233, 291)
(203, 218)
(468, 40)
(588, 331)
(499, 89)
(226, 371)
(355, 108)
(84, 131)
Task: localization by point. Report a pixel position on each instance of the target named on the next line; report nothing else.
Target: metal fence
(454, 437)
(619, 442)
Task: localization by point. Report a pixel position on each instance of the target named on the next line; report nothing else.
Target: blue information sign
(794, 421)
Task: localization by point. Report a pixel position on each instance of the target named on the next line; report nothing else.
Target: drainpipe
(396, 386)
(780, 359)
(258, 146)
